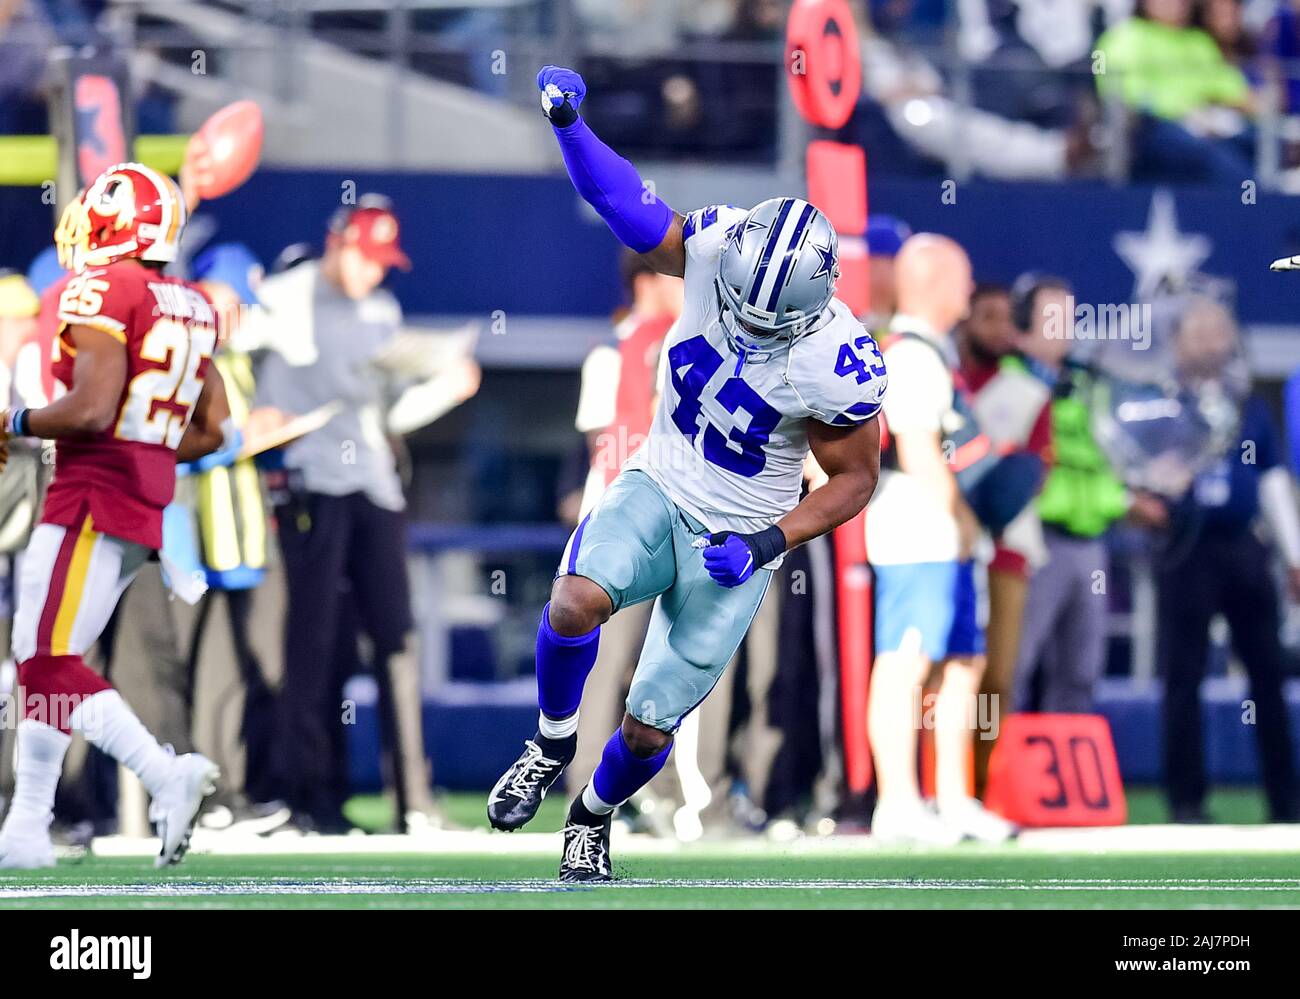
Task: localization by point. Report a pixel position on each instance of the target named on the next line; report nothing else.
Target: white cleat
(973, 820)
(26, 851)
(1285, 264)
(911, 823)
(687, 826)
(174, 808)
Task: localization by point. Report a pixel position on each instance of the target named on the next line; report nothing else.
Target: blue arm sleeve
(611, 185)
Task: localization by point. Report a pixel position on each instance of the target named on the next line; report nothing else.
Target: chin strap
(745, 350)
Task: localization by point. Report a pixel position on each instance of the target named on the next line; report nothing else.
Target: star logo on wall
(1162, 257)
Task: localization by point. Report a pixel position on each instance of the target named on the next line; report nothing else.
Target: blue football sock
(562, 667)
(621, 773)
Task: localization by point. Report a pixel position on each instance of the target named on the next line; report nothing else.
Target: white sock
(109, 724)
(557, 728)
(38, 765)
(592, 802)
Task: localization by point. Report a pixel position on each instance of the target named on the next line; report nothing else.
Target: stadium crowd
(1026, 89)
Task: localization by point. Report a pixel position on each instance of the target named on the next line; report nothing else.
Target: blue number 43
(849, 363)
(693, 363)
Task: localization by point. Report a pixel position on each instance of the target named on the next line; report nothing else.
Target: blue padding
(1136, 722)
(474, 731)
(1134, 717)
(473, 654)
(429, 538)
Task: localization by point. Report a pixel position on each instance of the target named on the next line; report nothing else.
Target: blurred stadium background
(985, 120)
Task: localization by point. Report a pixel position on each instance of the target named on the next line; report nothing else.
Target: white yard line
(1136, 840)
(427, 886)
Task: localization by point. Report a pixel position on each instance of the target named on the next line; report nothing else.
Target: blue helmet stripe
(804, 216)
(768, 248)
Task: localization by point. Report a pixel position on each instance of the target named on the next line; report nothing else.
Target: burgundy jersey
(126, 474)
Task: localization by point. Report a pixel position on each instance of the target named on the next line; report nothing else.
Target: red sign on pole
(822, 60)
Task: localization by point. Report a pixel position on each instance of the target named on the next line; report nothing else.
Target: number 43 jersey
(126, 474)
(730, 435)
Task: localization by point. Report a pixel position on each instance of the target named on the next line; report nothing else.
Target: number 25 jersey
(126, 474)
(729, 439)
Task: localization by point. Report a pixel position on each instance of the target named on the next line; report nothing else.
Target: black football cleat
(586, 847)
(519, 793)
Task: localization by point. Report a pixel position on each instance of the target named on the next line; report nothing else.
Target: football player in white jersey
(764, 365)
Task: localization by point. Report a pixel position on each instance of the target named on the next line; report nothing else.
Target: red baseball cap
(374, 232)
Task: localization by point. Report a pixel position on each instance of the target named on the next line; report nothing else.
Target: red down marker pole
(825, 74)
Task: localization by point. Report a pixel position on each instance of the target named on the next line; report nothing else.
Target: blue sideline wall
(528, 245)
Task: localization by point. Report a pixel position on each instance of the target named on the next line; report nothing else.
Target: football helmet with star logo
(778, 270)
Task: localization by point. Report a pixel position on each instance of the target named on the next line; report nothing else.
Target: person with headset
(1064, 637)
(1013, 409)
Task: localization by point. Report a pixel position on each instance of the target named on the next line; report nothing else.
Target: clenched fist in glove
(562, 91)
(732, 558)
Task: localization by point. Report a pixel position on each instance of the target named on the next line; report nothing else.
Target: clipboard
(299, 426)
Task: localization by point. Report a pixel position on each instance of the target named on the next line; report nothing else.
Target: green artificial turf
(743, 873)
(1146, 806)
(705, 877)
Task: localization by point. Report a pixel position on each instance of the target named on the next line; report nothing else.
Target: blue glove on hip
(731, 558)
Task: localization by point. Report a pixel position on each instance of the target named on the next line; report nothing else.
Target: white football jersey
(729, 439)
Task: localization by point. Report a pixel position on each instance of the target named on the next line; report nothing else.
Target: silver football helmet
(777, 272)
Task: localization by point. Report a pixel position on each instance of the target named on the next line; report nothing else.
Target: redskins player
(133, 348)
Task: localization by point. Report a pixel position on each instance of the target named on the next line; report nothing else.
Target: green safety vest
(1081, 494)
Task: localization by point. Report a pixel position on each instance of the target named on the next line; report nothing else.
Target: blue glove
(731, 558)
(562, 91)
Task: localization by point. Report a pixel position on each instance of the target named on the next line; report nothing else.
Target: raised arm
(608, 182)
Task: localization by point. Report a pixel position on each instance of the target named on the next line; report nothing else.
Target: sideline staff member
(341, 519)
